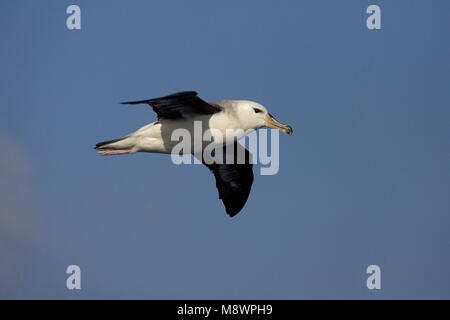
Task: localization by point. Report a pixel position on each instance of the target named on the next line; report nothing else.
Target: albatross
(182, 110)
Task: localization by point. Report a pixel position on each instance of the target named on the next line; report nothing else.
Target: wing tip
(135, 102)
(170, 96)
(233, 213)
(232, 209)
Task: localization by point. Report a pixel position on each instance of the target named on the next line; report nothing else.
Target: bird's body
(156, 136)
(226, 121)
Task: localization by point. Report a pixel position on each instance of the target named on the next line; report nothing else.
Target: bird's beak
(271, 122)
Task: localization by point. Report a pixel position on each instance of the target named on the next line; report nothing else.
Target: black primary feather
(233, 180)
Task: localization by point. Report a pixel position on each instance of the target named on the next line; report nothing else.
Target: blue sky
(364, 180)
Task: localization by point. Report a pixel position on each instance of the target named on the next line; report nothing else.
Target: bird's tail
(117, 146)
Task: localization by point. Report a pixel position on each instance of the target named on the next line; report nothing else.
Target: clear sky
(363, 180)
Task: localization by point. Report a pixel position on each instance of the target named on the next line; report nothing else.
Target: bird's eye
(257, 110)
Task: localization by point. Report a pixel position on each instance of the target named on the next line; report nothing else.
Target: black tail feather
(101, 144)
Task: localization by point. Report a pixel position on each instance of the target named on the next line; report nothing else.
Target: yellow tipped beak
(271, 122)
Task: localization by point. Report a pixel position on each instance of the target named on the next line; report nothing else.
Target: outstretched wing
(233, 180)
(179, 105)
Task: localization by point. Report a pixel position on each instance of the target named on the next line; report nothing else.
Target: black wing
(179, 105)
(233, 180)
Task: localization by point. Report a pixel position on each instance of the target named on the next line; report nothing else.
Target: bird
(181, 110)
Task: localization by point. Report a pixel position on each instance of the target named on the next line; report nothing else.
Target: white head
(253, 116)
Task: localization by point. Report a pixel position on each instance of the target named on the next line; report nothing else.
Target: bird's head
(253, 116)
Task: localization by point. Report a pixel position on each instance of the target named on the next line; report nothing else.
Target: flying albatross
(180, 111)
